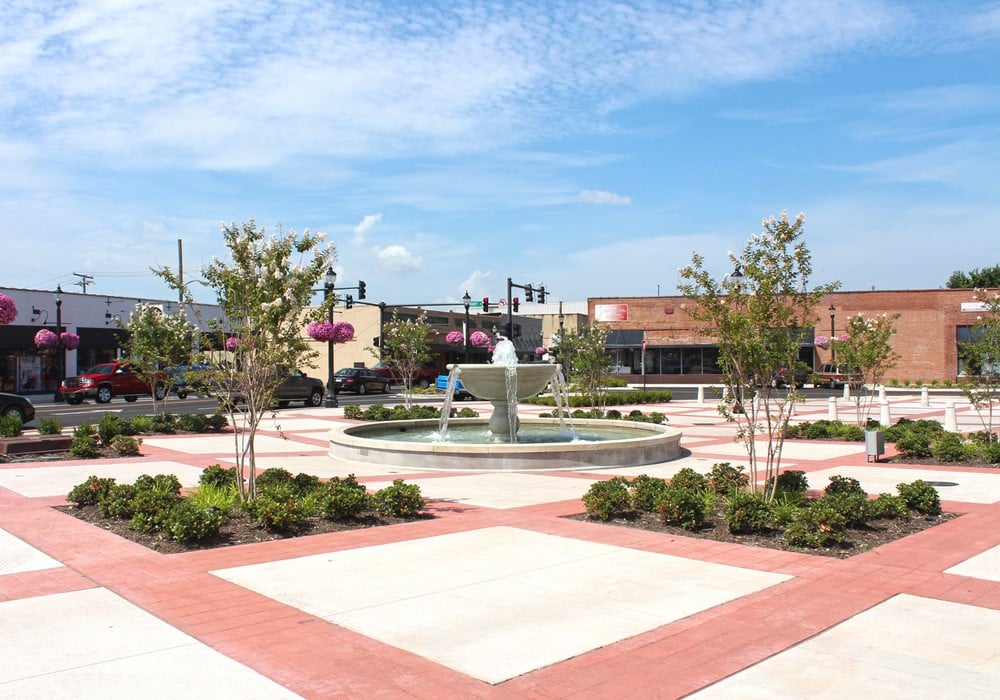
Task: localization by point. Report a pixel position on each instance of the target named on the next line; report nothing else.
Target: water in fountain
(561, 395)
(449, 393)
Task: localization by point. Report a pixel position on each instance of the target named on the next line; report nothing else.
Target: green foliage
(274, 476)
(90, 491)
(467, 412)
(647, 492)
(584, 354)
(126, 445)
(84, 442)
(905, 426)
(920, 496)
(277, 508)
(866, 345)
(352, 411)
(759, 319)
(343, 499)
(914, 445)
(844, 485)
(682, 505)
(156, 340)
(192, 423)
(216, 475)
(853, 506)
(139, 424)
(985, 278)
(188, 522)
(108, 428)
(790, 483)
(825, 429)
(405, 347)
(118, 502)
(221, 497)
(11, 426)
(724, 478)
(688, 478)
(378, 412)
(618, 398)
(888, 507)
(820, 525)
(784, 510)
(401, 500)
(165, 423)
(49, 425)
(609, 499)
(948, 447)
(747, 512)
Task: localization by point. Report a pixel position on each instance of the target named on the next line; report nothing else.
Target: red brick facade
(926, 337)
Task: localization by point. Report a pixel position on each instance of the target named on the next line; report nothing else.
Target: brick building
(931, 325)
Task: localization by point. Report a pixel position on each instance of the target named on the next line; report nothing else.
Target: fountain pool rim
(652, 444)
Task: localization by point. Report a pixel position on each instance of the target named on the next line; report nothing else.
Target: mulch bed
(238, 529)
(860, 540)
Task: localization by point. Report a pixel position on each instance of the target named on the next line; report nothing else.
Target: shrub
(920, 496)
(605, 500)
(823, 429)
(683, 505)
(108, 428)
(948, 447)
(914, 445)
(118, 502)
(852, 506)
(216, 421)
(724, 478)
(905, 426)
(192, 423)
(140, 424)
(90, 491)
(400, 500)
(467, 412)
(126, 445)
(614, 414)
(11, 426)
(277, 508)
(274, 476)
(222, 497)
(688, 478)
(188, 522)
(342, 499)
(84, 445)
(49, 425)
(888, 507)
(819, 525)
(647, 491)
(352, 411)
(844, 485)
(165, 423)
(216, 475)
(747, 513)
(790, 483)
(784, 510)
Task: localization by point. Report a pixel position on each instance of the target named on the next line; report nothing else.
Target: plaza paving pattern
(498, 596)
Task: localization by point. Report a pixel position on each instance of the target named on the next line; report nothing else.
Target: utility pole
(84, 281)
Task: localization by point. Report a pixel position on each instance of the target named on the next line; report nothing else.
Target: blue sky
(447, 146)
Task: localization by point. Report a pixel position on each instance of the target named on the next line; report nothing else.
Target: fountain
(504, 442)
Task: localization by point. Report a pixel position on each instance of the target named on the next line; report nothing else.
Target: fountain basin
(372, 443)
(490, 381)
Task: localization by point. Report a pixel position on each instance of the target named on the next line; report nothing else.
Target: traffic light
(486, 305)
(361, 289)
(515, 303)
(528, 292)
(541, 295)
(349, 302)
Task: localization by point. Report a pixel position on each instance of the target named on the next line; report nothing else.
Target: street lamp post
(833, 318)
(331, 385)
(466, 300)
(61, 352)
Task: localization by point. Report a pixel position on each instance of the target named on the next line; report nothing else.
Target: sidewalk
(498, 596)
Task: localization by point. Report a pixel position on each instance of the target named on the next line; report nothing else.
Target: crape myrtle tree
(759, 320)
(263, 290)
(156, 341)
(982, 359)
(865, 348)
(584, 354)
(406, 346)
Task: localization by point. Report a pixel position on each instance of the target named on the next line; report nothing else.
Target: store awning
(624, 339)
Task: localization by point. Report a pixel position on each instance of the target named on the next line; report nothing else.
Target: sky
(444, 147)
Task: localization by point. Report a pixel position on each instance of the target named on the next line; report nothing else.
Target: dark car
(801, 377)
(185, 380)
(296, 386)
(359, 380)
(460, 393)
(15, 405)
(423, 377)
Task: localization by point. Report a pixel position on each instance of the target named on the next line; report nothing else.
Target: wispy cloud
(397, 258)
(365, 227)
(601, 197)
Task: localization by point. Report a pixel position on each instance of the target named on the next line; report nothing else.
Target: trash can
(874, 443)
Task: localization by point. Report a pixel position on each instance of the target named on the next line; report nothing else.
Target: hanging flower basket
(843, 337)
(70, 341)
(343, 332)
(321, 331)
(821, 341)
(46, 339)
(539, 351)
(454, 338)
(232, 344)
(479, 339)
(8, 310)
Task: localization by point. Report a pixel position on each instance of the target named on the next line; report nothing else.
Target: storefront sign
(974, 307)
(611, 312)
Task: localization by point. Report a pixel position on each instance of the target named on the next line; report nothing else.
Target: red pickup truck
(105, 381)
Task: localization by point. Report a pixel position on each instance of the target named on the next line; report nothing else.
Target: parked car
(16, 405)
(295, 386)
(108, 380)
(461, 393)
(833, 375)
(184, 380)
(359, 380)
(801, 376)
(423, 378)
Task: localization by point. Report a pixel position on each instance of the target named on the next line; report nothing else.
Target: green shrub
(108, 428)
(819, 525)
(905, 426)
(724, 478)
(49, 425)
(825, 429)
(343, 499)
(274, 476)
(118, 502)
(689, 479)
(605, 500)
(920, 496)
(216, 421)
(852, 506)
(84, 446)
(277, 508)
(165, 423)
(682, 505)
(467, 412)
(353, 411)
(888, 507)
(140, 424)
(747, 513)
(647, 491)
(188, 522)
(614, 414)
(948, 447)
(216, 475)
(790, 483)
(90, 491)
(165, 483)
(11, 426)
(126, 445)
(844, 485)
(222, 497)
(784, 510)
(400, 500)
(192, 423)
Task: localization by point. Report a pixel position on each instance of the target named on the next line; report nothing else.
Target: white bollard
(847, 391)
(701, 395)
(884, 418)
(881, 393)
(925, 397)
(950, 418)
(831, 409)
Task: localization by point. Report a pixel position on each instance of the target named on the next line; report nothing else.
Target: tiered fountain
(505, 442)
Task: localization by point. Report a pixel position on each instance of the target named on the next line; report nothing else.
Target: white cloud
(365, 227)
(397, 258)
(601, 197)
(478, 284)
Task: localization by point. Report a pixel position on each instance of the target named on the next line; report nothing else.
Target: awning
(624, 339)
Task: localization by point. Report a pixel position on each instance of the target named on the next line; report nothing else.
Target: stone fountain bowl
(490, 381)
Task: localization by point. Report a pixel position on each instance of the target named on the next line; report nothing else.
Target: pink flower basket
(8, 310)
(343, 332)
(232, 344)
(46, 339)
(322, 331)
(454, 338)
(70, 341)
(479, 339)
